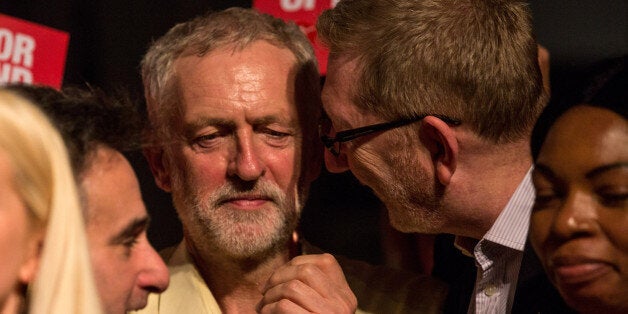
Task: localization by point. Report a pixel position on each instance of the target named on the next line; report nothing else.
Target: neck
(236, 283)
(488, 175)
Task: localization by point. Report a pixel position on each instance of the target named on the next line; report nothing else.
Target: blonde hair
(44, 181)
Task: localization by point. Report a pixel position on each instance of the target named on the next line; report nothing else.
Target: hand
(308, 284)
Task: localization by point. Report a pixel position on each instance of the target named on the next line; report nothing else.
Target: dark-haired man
(96, 129)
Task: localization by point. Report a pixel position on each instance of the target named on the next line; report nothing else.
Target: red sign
(31, 53)
(304, 13)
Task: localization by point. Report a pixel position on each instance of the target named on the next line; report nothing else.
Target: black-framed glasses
(333, 143)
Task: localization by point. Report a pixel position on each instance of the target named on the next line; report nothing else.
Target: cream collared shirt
(378, 289)
(187, 292)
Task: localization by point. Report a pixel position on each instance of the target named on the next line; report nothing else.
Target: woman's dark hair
(605, 85)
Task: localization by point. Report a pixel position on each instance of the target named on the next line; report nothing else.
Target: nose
(154, 276)
(577, 217)
(246, 162)
(336, 164)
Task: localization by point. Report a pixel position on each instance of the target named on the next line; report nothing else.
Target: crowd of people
(443, 108)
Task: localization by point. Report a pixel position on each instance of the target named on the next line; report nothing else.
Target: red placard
(304, 13)
(31, 53)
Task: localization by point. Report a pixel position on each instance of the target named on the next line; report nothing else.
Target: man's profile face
(387, 161)
(126, 267)
(236, 169)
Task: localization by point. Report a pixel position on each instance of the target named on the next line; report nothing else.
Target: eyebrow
(545, 170)
(589, 175)
(135, 227)
(599, 170)
(191, 128)
(266, 120)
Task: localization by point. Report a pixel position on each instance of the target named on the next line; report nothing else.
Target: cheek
(284, 168)
(114, 274)
(373, 167)
(614, 226)
(539, 230)
(12, 253)
(107, 273)
(204, 170)
(15, 240)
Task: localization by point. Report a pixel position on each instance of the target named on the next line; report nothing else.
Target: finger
(297, 292)
(325, 261)
(291, 280)
(325, 264)
(308, 299)
(281, 306)
(310, 274)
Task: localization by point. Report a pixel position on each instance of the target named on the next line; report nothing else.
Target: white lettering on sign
(16, 57)
(15, 74)
(6, 44)
(23, 50)
(297, 5)
(333, 3)
(19, 48)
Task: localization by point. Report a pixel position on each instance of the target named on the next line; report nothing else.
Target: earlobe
(440, 139)
(28, 269)
(336, 164)
(155, 158)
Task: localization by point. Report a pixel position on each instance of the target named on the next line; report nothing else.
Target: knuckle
(328, 259)
(284, 305)
(306, 270)
(294, 285)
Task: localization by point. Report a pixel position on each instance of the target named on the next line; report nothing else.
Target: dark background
(108, 39)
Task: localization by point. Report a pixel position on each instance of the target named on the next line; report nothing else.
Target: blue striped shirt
(498, 255)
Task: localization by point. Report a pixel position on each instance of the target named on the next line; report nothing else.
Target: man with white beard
(233, 100)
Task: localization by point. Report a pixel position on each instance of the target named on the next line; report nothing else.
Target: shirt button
(490, 290)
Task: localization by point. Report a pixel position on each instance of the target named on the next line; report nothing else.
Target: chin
(410, 218)
(590, 300)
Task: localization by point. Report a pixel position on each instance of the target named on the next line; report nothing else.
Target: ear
(155, 158)
(336, 164)
(440, 140)
(544, 65)
(28, 269)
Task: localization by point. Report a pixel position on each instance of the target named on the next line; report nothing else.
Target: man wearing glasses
(431, 105)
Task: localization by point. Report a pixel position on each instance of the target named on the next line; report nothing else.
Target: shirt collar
(511, 226)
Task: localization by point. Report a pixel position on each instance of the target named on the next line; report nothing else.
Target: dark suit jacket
(534, 294)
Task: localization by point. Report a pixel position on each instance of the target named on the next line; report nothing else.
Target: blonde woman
(42, 238)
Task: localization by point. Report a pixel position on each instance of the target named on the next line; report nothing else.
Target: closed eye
(131, 241)
(545, 199)
(206, 141)
(613, 198)
(276, 138)
(277, 134)
(129, 236)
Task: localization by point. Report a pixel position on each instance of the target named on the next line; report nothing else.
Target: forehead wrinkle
(242, 83)
(247, 83)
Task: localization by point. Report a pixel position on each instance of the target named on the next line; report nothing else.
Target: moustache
(245, 190)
